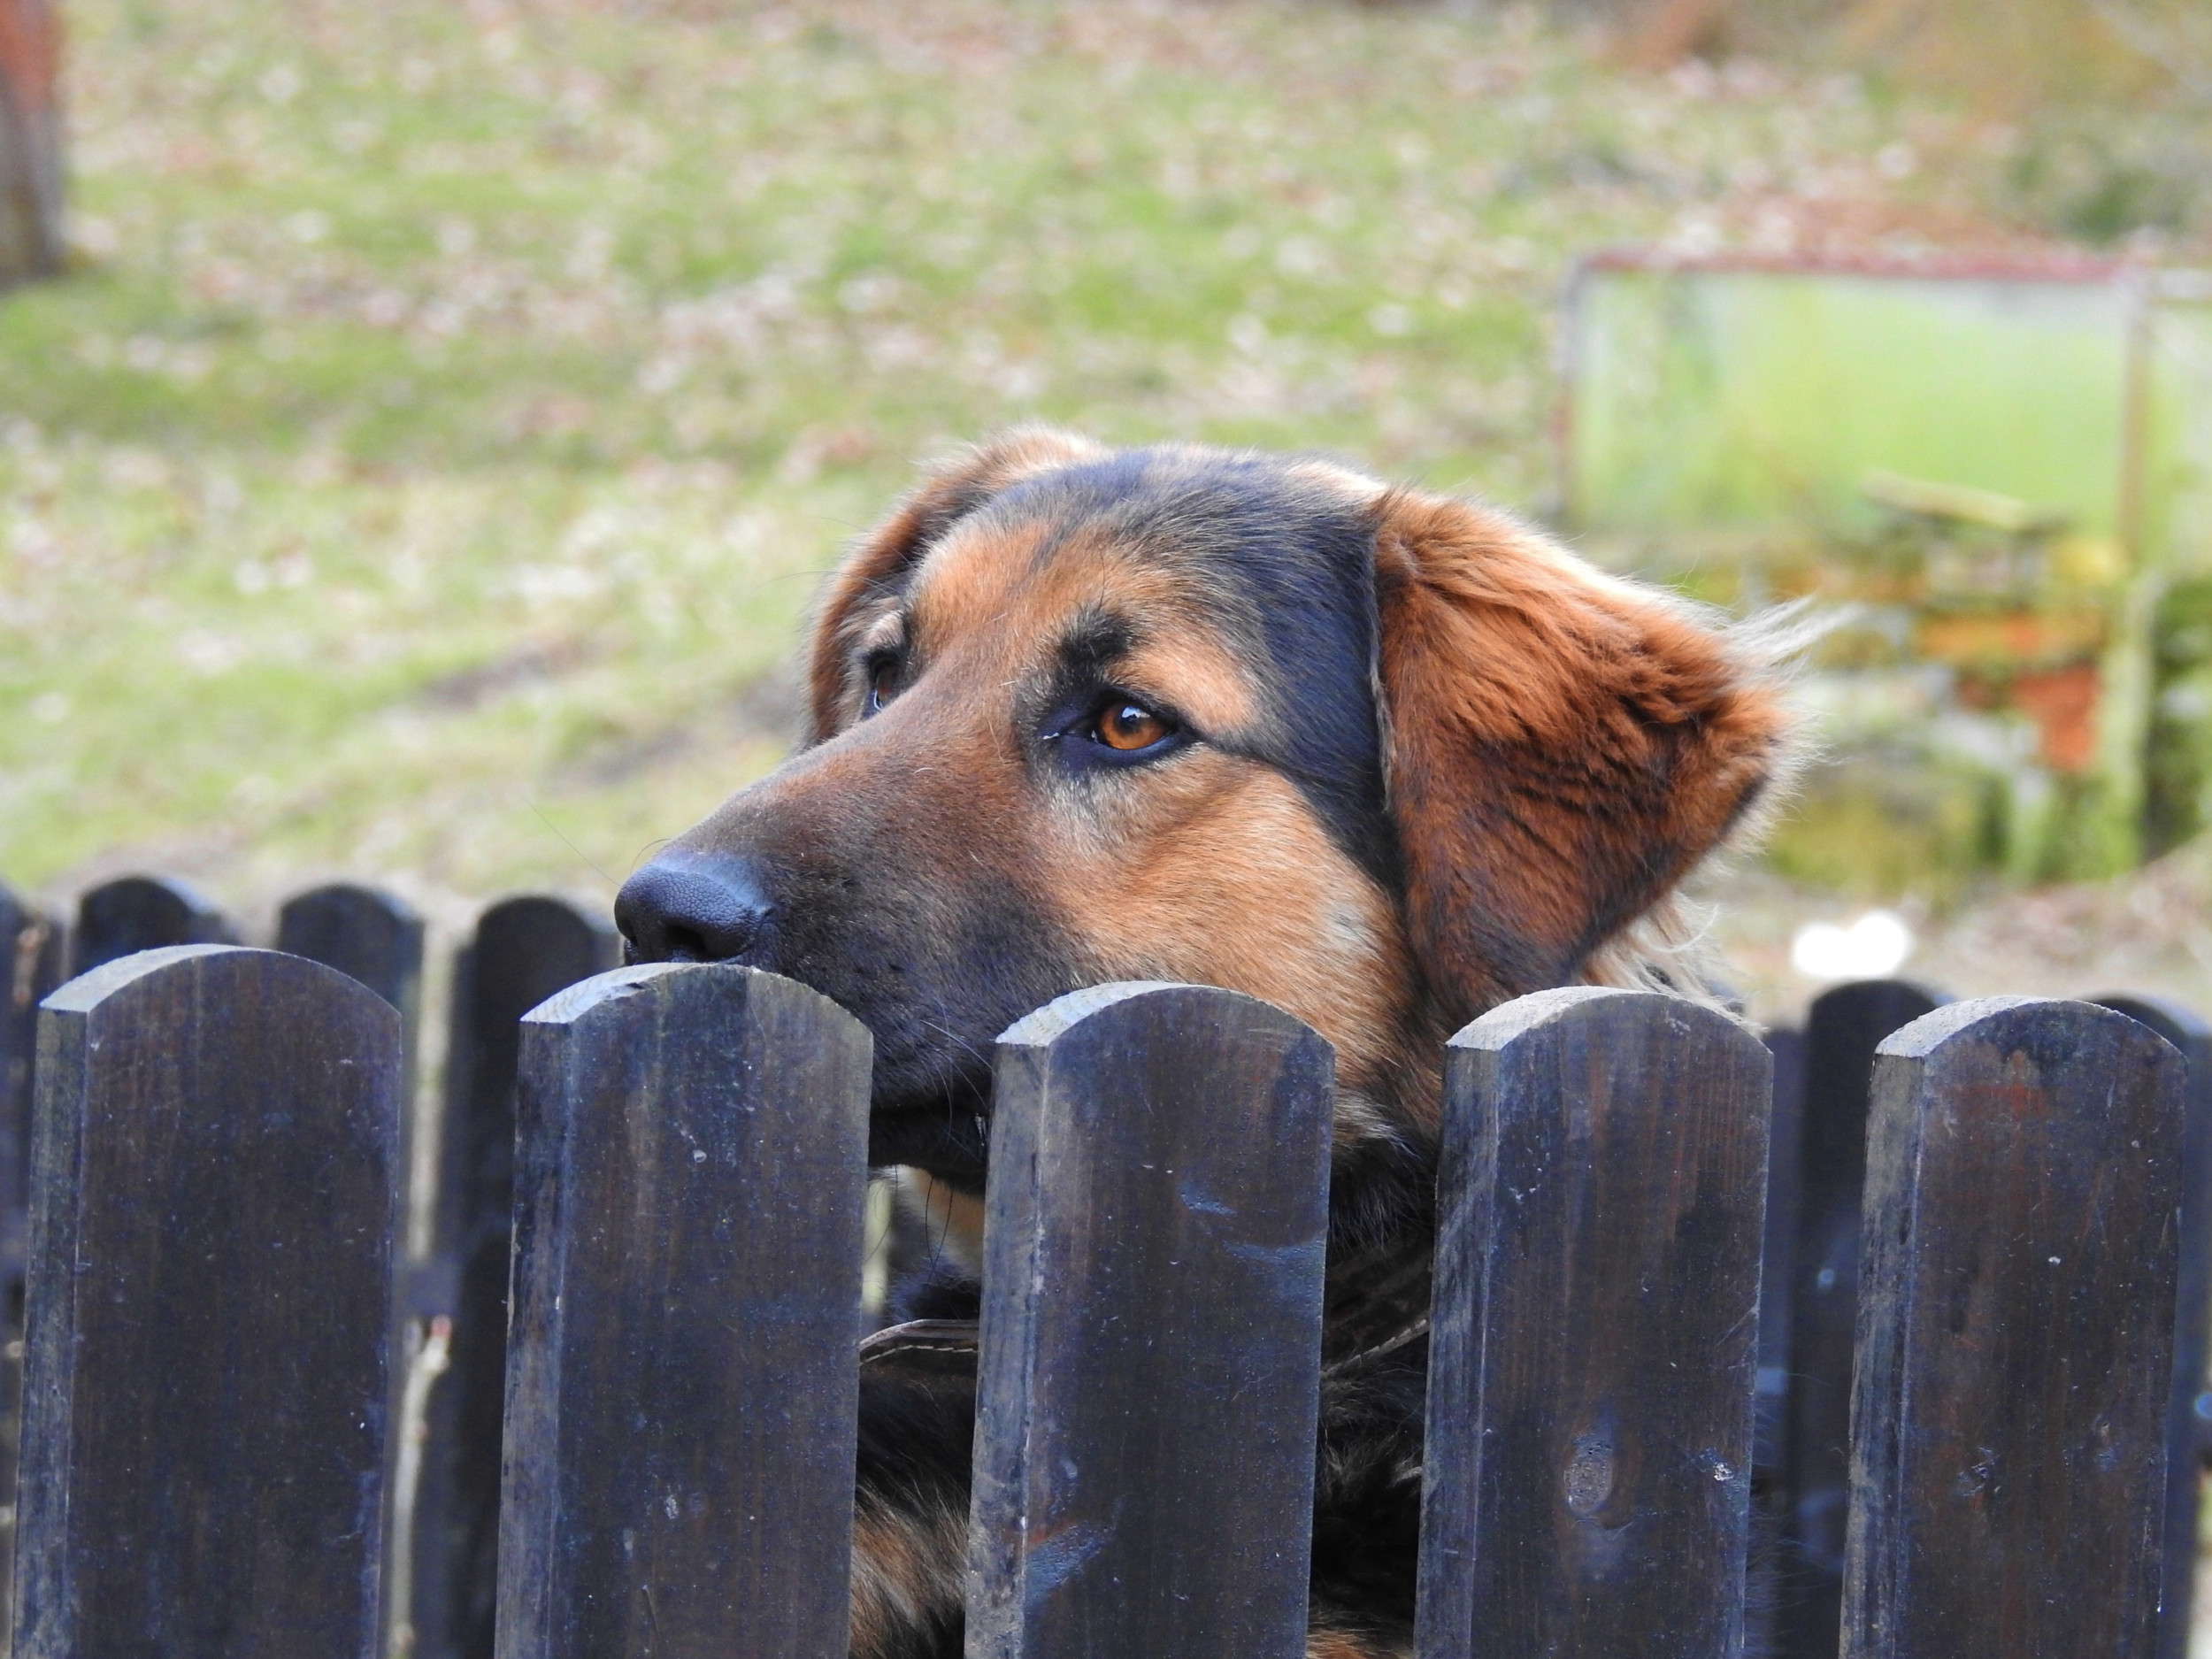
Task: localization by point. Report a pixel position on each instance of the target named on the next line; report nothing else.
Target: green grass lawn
(430, 463)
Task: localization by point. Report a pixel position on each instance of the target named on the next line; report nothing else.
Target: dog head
(1382, 758)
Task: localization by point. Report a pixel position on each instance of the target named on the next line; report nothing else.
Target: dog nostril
(691, 909)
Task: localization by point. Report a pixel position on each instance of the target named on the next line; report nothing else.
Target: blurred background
(439, 416)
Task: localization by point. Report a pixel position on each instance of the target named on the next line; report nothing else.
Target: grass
(428, 466)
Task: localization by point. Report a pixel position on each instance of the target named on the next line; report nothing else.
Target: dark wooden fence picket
(1145, 1432)
(1591, 1369)
(1777, 1284)
(377, 938)
(31, 948)
(134, 913)
(1603, 1158)
(213, 1205)
(30, 958)
(1843, 1028)
(682, 1371)
(524, 950)
(365, 933)
(2188, 1411)
(2015, 1336)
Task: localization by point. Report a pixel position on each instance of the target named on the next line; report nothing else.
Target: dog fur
(1418, 760)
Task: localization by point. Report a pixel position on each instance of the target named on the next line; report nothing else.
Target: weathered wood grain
(1157, 1225)
(134, 913)
(1778, 1254)
(2015, 1331)
(31, 952)
(30, 958)
(214, 1186)
(1842, 1029)
(1593, 1339)
(372, 935)
(377, 938)
(2189, 1408)
(524, 950)
(1771, 1499)
(683, 1369)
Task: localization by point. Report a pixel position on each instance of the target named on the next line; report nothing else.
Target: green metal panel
(2177, 437)
(2007, 471)
(1719, 399)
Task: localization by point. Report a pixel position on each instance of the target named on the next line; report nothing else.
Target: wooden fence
(256, 1421)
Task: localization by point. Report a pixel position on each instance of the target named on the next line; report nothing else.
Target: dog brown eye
(1128, 725)
(882, 686)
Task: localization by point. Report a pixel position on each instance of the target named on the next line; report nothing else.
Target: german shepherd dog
(1382, 757)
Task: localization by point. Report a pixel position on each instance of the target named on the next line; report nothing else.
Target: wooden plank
(30, 958)
(1777, 1253)
(524, 949)
(2189, 1405)
(134, 913)
(215, 1171)
(2015, 1336)
(683, 1369)
(1843, 1028)
(374, 936)
(377, 938)
(1592, 1358)
(1157, 1217)
(1773, 1500)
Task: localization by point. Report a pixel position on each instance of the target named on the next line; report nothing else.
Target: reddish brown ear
(875, 567)
(1562, 746)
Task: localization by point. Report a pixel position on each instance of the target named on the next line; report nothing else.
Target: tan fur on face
(951, 490)
(1203, 867)
(1560, 746)
(1216, 872)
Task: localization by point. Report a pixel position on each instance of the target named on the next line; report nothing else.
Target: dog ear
(1562, 747)
(952, 490)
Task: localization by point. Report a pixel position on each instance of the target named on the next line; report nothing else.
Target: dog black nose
(690, 910)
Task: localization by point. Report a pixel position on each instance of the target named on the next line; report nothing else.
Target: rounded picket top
(31, 953)
(1128, 1002)
(375, 936)
(134, 913)
(2181, 1026)
(1854, 998)
(653, 994)
(524, 948)
(1576, 1007)
(1843, 1026)
(220, 968)
(216, 1174)
(1154, 1244)
(2050, 1030)
(691, 1180)
(546, 924)
(2189, 1406)
(2017, 1324)
(1603, 1151)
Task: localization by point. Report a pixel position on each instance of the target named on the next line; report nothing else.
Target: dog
(1382, 758)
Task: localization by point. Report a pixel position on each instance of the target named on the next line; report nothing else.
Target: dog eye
(1130, 726)
(883, 685)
